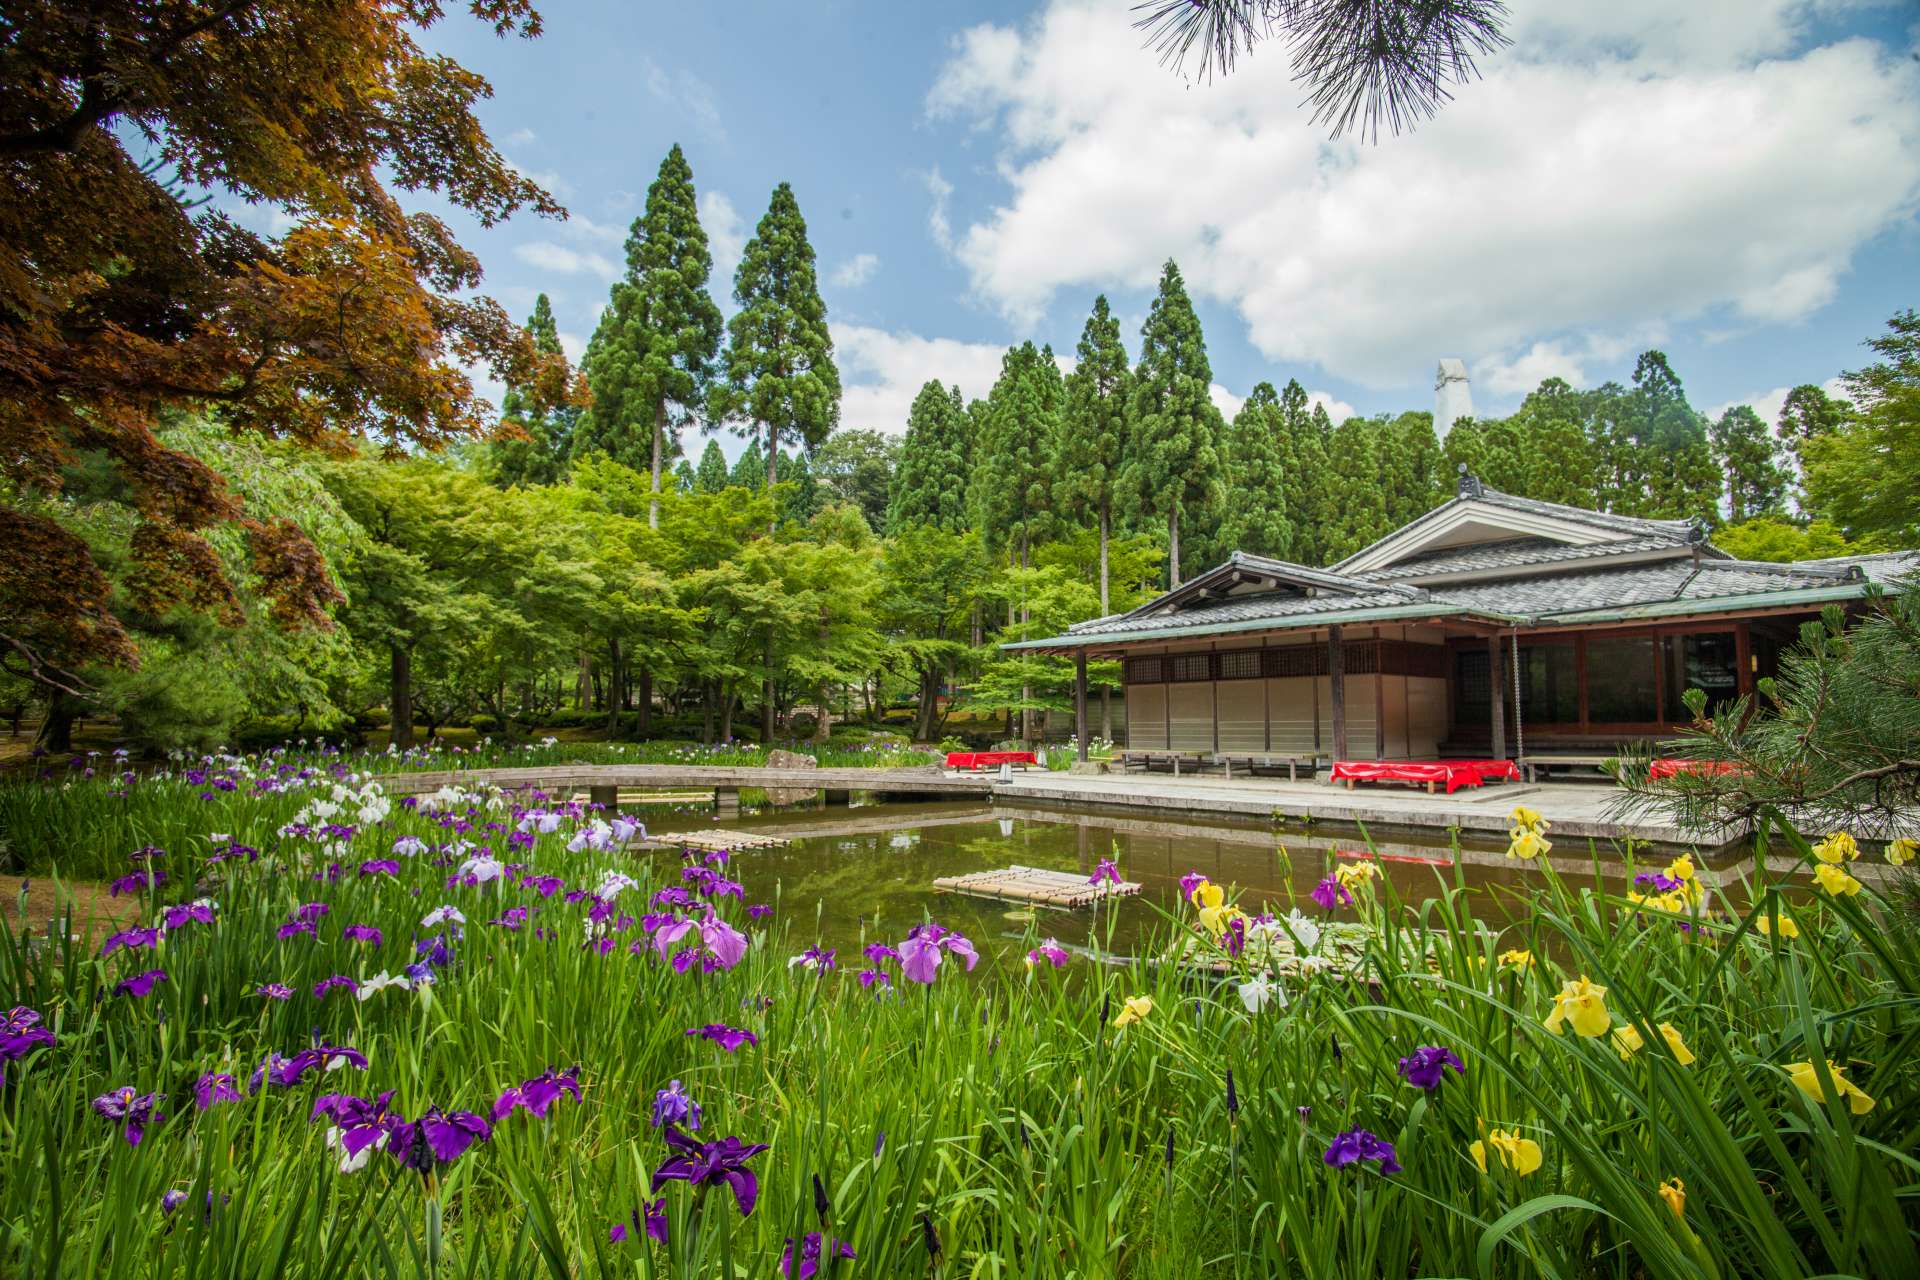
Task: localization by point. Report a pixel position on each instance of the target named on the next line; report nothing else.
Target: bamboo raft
(732, 841)
(1034, 885)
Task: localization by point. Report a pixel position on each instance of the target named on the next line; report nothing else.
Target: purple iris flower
(705, 1164)
(136, 882)
(878, 952)
(724, 942)
(136, 939)
(816, 958)
(214, 1087)
(538, 1094)
(187, 913)
(140, 984)
(545, 886)
(1661, 883)
(380, 867)
(274, 991)
(20, 1033)
(435, 1138)
(134, 1111)
(673, 1105)
(146, 853)
(1189, 882)
(287, 1072)
(1236, 936)
(1330, 893)
(1049, 952)
(870, 976)
(335, 983)
(512, 918)
(728, 1038)
(811, 1249)
(172, 1200)
(1356, 1145)
(759, 911)
(920, 953)
(1426, 1067)
(293, 929)
(1107, 872)
(361, 933)
(650, 1219)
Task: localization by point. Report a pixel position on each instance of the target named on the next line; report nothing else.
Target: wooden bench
(1537, 767)
(1252, 762)
(1148, 761)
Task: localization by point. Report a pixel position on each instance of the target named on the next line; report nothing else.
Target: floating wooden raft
(1034, 884)
(716, 839)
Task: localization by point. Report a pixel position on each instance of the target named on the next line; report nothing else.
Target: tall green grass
(1000, 1117)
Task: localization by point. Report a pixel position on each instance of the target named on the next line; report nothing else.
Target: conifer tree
(1093, 431)
(1492, 451)
(711, 475)
(652, 357)
(930, 482)
(1679, 464)
(1257, 503)
(1303, 429)
(1354, 463)
(1175, 467)
(1411, 466)
(683, 476)
(749, 469)
(1012, 471)
(781, 377)
(1749, 458)
(801, 500)
(539, 455)
(1559, 458)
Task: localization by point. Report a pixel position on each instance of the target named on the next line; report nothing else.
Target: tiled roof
(1239, 609)
(1673, 530)
(1516, 553)
(1883, 567)
(1636, 585)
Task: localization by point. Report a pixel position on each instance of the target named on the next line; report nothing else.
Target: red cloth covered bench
(989, 759)
(1428, 773)
(1663, 769)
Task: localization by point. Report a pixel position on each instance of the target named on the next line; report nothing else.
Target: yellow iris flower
(1215, 919)
(1674, 1192)
(1902, 851)
(1517, 960)
(1681, 868)
(1527, 819)
(1355, 876)
(1584, 1005)
(1786, 927)
(1628, 1041)
(1527, 843)
(1522, 1155)
(1207, 894)
(1837, 847)
(1835, 881)
(1803, 1075)
(1133, 1010)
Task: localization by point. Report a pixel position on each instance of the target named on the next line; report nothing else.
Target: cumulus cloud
(1769, 403)
(683, 91)
(1625, 167)
(939, 222)
(882, 371)
(558, 258)
(855, 271)
(726, 237)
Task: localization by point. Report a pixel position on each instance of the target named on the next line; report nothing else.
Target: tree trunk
(923, 728)
(56, 731)
(1106, 531)
(709, 694)
(773, 472)
(613, 684)
(659, 447)
(766, 697)
(400, 698)
(822, 721)
(1173, 548)
(644, 726)
(726, 713)
(1026, 690)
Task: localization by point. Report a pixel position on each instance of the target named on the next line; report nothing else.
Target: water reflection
(867, 874)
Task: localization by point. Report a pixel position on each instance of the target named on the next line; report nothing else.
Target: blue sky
(1735, 181)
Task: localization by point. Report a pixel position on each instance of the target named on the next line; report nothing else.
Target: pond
(866, 874)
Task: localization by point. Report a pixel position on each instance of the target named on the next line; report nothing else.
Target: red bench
(990, 759)
(1428, 773)
(1663, 769)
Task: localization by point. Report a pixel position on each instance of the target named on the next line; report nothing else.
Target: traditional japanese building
(1489, 622)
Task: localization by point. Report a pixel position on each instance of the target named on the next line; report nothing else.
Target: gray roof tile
(1517, 553)
(1240, 609)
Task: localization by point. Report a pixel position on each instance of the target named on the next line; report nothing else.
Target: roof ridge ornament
(1469, 485)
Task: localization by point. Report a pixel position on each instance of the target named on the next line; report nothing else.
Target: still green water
(853, 876)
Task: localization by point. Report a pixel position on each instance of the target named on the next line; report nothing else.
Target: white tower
(1452, 397)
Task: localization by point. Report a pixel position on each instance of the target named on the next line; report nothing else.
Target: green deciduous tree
(781, 378)
(1866, 477)
(1094, 438)
(1175, 469)
(930, 483)
(652, 356)
(857, 467)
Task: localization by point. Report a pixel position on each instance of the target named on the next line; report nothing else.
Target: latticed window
(1244, 665)
(1191, 666)
(1145, 671)
(1297, 660)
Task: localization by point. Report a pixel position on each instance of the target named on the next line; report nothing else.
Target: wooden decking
(568, 778)
(714, 838)
(1035, 885)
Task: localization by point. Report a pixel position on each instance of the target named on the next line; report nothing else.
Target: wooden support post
(1080, 701)
(1496, 691)
(1337, 685)
(1743, 658)
(726, 802)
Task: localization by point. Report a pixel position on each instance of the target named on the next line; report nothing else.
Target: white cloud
(521, 138)
(855, 271)
(548, 256)
(939, 224)
(1225, 401)
(684, 91)
(1625, 167)
(549, 179)
(581, 227)
(1338, 410)
(883, 371)
(726, 237)
(1229, 404)
(1768, 403)
(572, 346)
